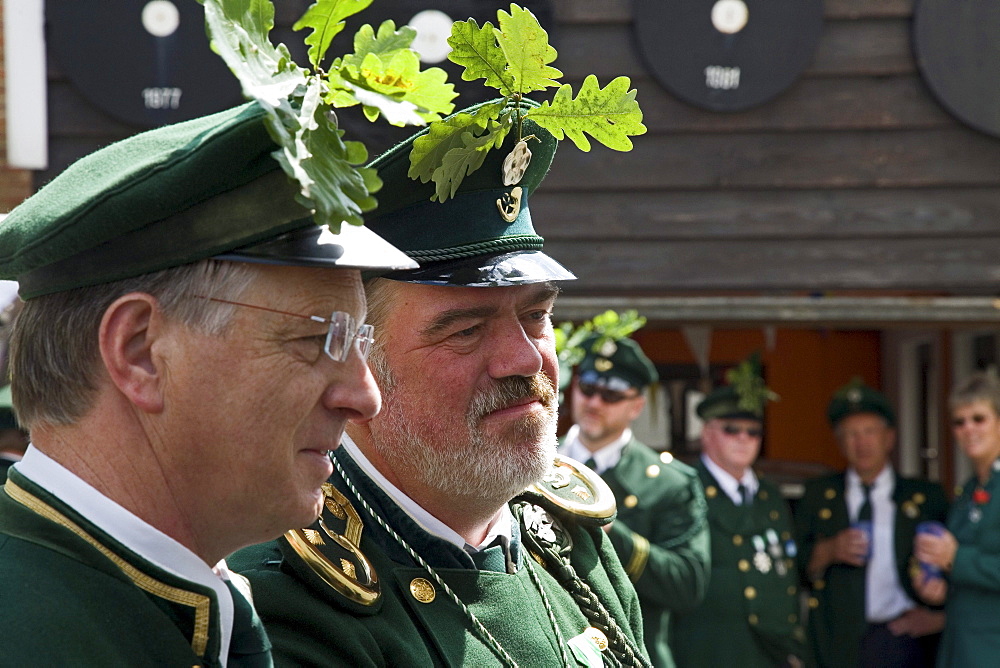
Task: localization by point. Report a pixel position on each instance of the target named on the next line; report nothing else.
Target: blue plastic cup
(865, 526)
(930, 571)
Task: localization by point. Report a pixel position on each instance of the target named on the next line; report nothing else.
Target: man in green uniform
(451, 535)
(660, 534)
(750, 616)
(863, 609)
(182, 378)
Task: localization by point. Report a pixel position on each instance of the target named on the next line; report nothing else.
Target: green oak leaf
(526, 48)
(384, 74)
(475, 48)
(430, 148)
(326, 18)
(609, 115)
(387, 40)
(238, 31)
(464, 159)
(326, 166)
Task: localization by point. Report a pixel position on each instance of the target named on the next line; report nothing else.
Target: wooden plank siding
(855, 178)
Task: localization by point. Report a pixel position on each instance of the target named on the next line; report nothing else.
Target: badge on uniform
(761, 560)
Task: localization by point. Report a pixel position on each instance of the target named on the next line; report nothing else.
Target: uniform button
(652, 471)
(753, 619)
(422, 590)
(919, 498)
(631, 501)
(825, 514)
(737, 539)
(666, 457)
(793, 618)
(830, 493)
(773, 515)
(819, 585)
(762, 494)
(813, 602)
(785, 535)
(743, 565)
(711, 491)
(750, 593)
(791, 590)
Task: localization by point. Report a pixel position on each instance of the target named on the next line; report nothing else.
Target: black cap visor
(488, 271)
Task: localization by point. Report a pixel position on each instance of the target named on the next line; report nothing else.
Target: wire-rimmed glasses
(340, 337)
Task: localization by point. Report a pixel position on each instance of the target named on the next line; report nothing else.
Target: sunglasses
(975, 419)
(607, 395)
(736, 430)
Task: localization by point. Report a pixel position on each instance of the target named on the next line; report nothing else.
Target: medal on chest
(761, 560)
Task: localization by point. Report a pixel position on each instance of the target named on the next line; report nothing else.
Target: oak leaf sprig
(382, 75)
(515, 58)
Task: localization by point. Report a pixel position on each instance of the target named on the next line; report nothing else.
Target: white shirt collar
(728, 483)
(144, 539)
(604, 459)
(500, 526)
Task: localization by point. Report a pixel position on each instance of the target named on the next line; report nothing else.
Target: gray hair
(54, 354)
(379, 294)
(983, 386)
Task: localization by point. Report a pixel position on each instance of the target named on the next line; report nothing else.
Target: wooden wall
(854, 177)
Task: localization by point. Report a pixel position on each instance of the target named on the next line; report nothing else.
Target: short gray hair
(379, 294)
(54, 351)
(983, 386)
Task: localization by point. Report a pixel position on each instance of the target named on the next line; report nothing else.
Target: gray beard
(491, 470)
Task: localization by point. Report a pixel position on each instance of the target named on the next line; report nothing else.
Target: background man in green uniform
(660, 534)
(430, 552)
(750, 616)
(182, 377)
(862, 605)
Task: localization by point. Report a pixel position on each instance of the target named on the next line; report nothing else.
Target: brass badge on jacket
(336, 557)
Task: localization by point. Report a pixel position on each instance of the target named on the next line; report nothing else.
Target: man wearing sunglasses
(856, 532)
(750, 615)
(660, 534)
(186, 357)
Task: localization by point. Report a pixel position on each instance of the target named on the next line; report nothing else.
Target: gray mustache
(511, 390)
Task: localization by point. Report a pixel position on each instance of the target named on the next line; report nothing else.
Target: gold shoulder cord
(342, 576)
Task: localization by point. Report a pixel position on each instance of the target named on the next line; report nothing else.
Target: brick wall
(15, 184)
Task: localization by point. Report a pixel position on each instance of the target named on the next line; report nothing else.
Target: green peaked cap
(467, 240)
(744, 397)
(856, 397)
(207, 187)
(617, 358)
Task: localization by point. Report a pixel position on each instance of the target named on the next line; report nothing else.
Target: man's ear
(129, 329)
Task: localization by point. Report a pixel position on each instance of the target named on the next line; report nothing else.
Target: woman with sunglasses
(962, 563)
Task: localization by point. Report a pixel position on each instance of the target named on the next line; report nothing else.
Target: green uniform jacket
(661, 537)
(750, 615)
(837, 600)
(413, 622)
(72, 596)
(972, 632)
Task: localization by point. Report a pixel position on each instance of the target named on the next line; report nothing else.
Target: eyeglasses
(340, 337)
(736, 430)
(607, 395)
(976, 418)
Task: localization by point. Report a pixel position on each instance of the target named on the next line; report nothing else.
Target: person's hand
(936, 550)
(850, 546)
(930, 590)
(918, 622)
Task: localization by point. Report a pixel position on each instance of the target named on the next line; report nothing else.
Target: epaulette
(573, 491)
(328, 556)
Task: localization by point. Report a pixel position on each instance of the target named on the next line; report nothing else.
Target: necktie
(497, 557)
(865, 512)
(745, 499)
(591, 464)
